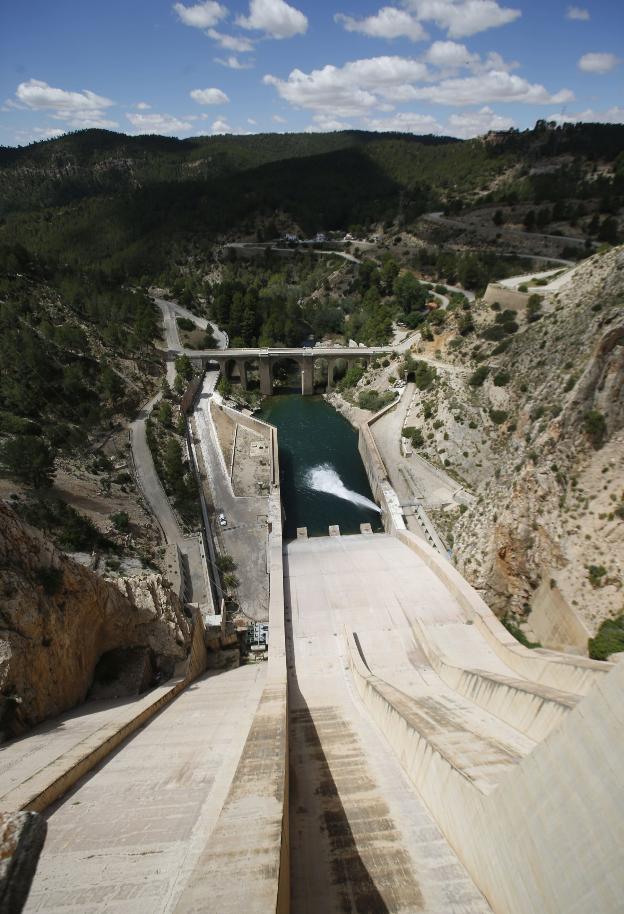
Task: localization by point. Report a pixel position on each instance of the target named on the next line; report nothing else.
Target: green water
(323, 480)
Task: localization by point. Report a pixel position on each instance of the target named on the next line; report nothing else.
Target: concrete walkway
(128, 838)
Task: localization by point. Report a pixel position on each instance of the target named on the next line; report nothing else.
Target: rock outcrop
(58, 620)
(553, 508)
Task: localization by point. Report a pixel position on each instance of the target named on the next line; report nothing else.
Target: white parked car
(222, 520)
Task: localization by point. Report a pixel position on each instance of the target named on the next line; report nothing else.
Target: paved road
(439, 217)
(413, 479)
(149, 483)
(245, 536)
(251, 245)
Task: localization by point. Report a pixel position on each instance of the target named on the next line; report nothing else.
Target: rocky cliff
(58, 621)
(550, 507)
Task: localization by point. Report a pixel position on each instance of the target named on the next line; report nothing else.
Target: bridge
(266, 361)
(399, 752)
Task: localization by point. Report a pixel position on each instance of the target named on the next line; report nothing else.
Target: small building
(348, 237)
(291, 238)
(320, 237)
(258, 634)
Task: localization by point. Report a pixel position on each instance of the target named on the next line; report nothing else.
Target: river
(323, 480)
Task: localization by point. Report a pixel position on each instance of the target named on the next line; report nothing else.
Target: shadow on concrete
(324, 851)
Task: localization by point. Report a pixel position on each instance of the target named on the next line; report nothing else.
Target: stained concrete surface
(129, 836)
(361, 839)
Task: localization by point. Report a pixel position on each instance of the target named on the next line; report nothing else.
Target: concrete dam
(399, 752)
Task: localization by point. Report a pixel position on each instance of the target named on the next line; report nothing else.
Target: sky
(453, 67)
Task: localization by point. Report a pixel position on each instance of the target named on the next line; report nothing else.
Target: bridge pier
(307, 376)
(331, 368)
(266, 377)
(242, 372)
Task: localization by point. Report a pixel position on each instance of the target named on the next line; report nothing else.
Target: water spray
(324, 478)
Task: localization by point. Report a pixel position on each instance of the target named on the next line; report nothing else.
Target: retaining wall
(548, 838)
(506, 298)
(532, 709)
(554, 621)
(559, 671)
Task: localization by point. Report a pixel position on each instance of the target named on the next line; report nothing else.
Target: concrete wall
(559, 671)
(554, 621)
(507, 298)
(249, 870)
(532, 709)
(548, 838)
(383, 493)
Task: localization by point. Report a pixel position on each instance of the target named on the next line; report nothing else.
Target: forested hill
(132, 204)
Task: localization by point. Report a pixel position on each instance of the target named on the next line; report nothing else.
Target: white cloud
(209, 96)
(231, 42)
(476, 123)
(389, 22)
(252, 121)
(361, 86)
(278, 119)
(491, 86)
(355, 88)
(324, 123)
(576, 12)
(404, 122)
(275, 18)
(40, 96)
(159, 123)
(614, 115)
(598, 62)
(461, 18)
(221, 127)
(202, 15)
(80, 110)
(450, 54)
(142, 106)
(233, 63)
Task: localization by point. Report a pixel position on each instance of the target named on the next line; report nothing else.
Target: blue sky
(459, 67)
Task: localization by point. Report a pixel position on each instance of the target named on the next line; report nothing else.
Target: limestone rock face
(549, 511)
(57, 619)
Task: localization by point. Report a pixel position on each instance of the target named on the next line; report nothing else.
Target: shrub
(609, 639)
(595, 574)
(120, 521)
(595, 428)
(498, 416)
(518, 634)
(478, 377)
(225, 563)
(370, 399)
(494, 332)
(424, 375)
(501, 379)
(184, 323)
(414, 434)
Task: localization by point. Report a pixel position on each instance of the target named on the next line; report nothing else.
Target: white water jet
(324, 478)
